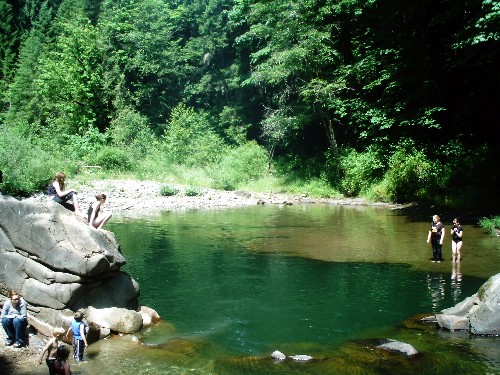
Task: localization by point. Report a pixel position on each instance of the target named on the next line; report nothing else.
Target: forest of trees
(389, 99)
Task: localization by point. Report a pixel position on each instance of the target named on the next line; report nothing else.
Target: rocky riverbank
(132, 197)
(11, 358)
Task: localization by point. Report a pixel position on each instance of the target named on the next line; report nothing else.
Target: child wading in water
(78, 327)
(51, 349)
(61, 365)
(96, 220)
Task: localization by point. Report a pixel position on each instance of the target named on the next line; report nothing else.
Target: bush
(189, 140)
(240, 165)
(83, 147)
(409, 175)
(490, 224)
(26, 168)
(168, 191)
(113, 158)
(193, 191)
(360, 171)
(131, 130)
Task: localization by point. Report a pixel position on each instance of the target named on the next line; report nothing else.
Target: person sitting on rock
(96, 220)
(67, 198)
(14, 320)
(51, 349)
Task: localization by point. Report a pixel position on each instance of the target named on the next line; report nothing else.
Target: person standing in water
(51, 349)
(456, 241)
(436, 237)
(97, 220)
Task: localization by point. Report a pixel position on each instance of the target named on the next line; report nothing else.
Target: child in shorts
(51, 349)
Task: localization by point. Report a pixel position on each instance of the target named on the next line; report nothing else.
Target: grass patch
(193, 191)
(168, 190)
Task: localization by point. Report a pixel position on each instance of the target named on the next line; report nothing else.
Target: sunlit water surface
(234, 285)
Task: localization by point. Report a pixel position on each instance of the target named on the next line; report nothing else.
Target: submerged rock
(398, 346)
(298, 357)
(301, 357)
(278, 355)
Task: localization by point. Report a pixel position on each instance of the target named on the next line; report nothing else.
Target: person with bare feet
(67, 198)
(96, 218)
(456, 241)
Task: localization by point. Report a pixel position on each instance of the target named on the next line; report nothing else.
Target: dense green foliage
(380, 98)
(491, 225)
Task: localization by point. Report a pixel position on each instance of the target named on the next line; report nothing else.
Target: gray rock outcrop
(479, 314)
(59, 265)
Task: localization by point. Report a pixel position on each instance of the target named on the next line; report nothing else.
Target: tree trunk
(330, 133)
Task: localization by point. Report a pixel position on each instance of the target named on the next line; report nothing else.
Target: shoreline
(139, 197)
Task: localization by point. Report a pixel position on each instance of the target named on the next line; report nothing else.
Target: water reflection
(436, 287)
(456, 282)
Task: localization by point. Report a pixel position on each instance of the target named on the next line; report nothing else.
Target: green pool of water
(234, 285)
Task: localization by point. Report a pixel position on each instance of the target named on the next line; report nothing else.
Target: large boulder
(479, 314)
(59, 264)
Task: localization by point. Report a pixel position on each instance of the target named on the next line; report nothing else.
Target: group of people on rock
(15, 323)
(69, 199)
(14, 315)
(436, 237)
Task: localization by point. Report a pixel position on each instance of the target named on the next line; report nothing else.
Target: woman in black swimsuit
(96, 220)
(456, 241)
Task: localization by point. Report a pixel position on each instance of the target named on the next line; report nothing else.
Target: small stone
(278, 355)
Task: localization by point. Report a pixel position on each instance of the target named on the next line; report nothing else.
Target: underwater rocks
(399, 347)
(298, 357)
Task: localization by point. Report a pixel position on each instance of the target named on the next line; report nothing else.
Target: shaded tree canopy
(312, 81)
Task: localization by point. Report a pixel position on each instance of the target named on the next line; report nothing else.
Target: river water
(234, 285)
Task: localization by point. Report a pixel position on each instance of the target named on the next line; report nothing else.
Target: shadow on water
(422, 212)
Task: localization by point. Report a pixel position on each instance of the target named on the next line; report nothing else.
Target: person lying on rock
(14, 320)
(97, 220)
(67, 198)
(51, 349)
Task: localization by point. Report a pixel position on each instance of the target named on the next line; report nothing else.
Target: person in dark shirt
(67, 198)
(456, 241)
(97, 219)
(436, 237)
